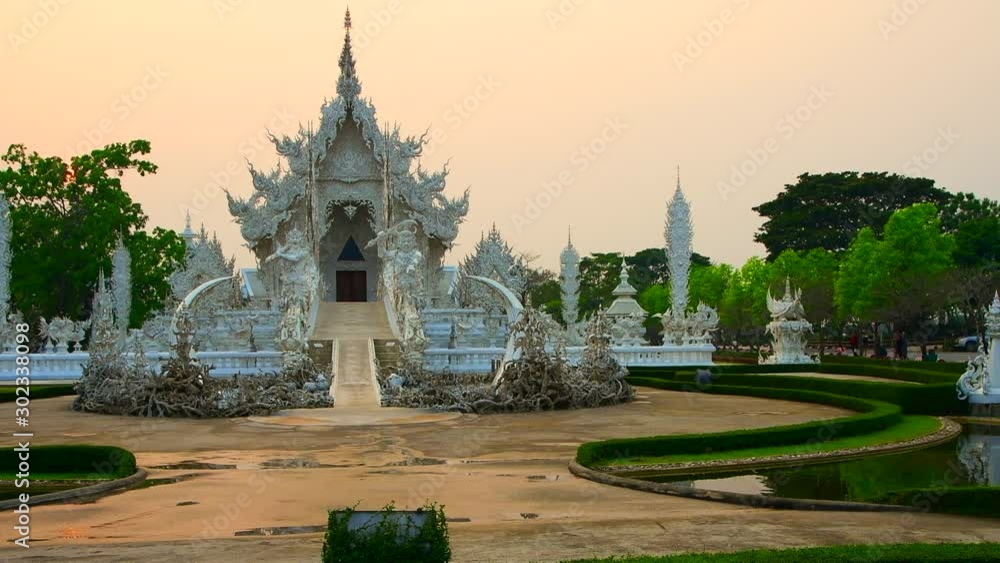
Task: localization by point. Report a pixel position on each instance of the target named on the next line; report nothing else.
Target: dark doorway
(352, 285)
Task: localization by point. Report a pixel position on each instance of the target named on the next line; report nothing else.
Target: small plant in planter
(357, 536)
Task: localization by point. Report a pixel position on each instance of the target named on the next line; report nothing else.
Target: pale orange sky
(200, 77)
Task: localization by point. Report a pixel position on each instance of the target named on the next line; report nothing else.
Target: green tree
(66, 218)
(828, 210)
(900, 278)
(743, 312)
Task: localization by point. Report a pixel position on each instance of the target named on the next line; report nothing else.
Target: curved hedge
(98, 462)
(971, 501)
(873, 416)
(928, 392)
(8, 394)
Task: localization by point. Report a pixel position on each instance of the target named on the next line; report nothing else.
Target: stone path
(352, 326)
(504, 478)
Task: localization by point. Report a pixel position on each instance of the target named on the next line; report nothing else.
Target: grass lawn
(966, 552)
(911, 427)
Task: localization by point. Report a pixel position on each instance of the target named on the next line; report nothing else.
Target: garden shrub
(96, 462)
(9, 394)
(970, 501)
(389, 536)
(873, 416)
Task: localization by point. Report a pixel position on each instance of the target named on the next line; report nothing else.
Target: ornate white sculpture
(569, 285)
(6, 328)
(403, 283)
(975, 453)
(205, 261)
(679, 326)
(625, 314)
(299, 280)
(58, 331)
(121, 284)
(788, 328)
(492, 258)
(976, 383)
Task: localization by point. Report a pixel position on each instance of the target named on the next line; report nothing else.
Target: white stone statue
(58, 331)
(121, 284)
(403, 282)
(6, 333)
(299, 280)
(625, 314)
(976, 383)
(788, 327)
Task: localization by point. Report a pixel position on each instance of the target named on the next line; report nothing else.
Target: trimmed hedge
(937, 400)
(956, 368)
(102, 462)
(883, 553)
(9, 393)
(933, 394)
(873, 416)
(970, 501)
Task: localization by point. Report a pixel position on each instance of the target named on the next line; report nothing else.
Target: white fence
(486, 360)
(69, 366)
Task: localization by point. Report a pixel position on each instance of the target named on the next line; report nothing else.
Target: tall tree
(828, 210)
(67, 218)
(899, 279)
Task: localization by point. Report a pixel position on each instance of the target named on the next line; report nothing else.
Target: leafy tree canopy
(66, 219)
(829, 210)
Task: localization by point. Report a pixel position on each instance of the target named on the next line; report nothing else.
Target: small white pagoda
(788, 328)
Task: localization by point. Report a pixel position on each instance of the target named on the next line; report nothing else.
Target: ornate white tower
(569, 284)
(678, 234)
(121, 280)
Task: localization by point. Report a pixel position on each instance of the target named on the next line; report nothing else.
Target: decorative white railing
(485, 360)
(69, 366)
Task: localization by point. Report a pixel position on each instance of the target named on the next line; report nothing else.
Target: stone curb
(749, 500)
(948, 431)
(81, 492)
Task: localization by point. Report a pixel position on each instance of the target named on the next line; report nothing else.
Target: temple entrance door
(352, 285)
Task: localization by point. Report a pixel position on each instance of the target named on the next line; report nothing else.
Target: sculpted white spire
(678, 235)
(569, 283)
(5, 257)
(121, 280)
(348, 85)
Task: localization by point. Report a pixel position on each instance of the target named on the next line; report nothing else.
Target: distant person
(904, 347)
(854, 344)
(930, 356)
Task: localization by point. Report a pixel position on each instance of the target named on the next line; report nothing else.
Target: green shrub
(88, 462)
(934, 393)
(883, 553)
(874, 416)
(955, 368)
(8, 393)
(391, 536)
(970, 501)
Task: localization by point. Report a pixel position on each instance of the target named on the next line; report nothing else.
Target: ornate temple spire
(569, 288)
(678, 234)
(348, 86)
(188, 235)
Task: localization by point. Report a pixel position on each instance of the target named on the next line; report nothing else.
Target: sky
(554, 113)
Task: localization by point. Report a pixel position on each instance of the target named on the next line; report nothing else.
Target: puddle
(194, 465)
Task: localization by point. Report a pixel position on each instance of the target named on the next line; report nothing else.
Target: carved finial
(187, 220)
(678, 176)
(788, 289)
(348, 85)
(569, 236)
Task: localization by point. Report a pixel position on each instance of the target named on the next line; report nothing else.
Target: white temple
(350, 235)
(788, 328)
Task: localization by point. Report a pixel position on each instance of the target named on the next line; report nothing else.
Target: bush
(389, 536)
(94, 462)
(884, 553)
(874, 416)
(955, 368)
(9, 394)
(970, 501)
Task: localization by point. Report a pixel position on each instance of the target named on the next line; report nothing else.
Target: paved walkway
(502, 478)
(352, 326)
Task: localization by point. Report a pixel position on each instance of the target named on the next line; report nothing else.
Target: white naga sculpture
(976, 383)
(299, 280)
(788, 328)
(6, 322)
(679, 326)
(403, 283)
